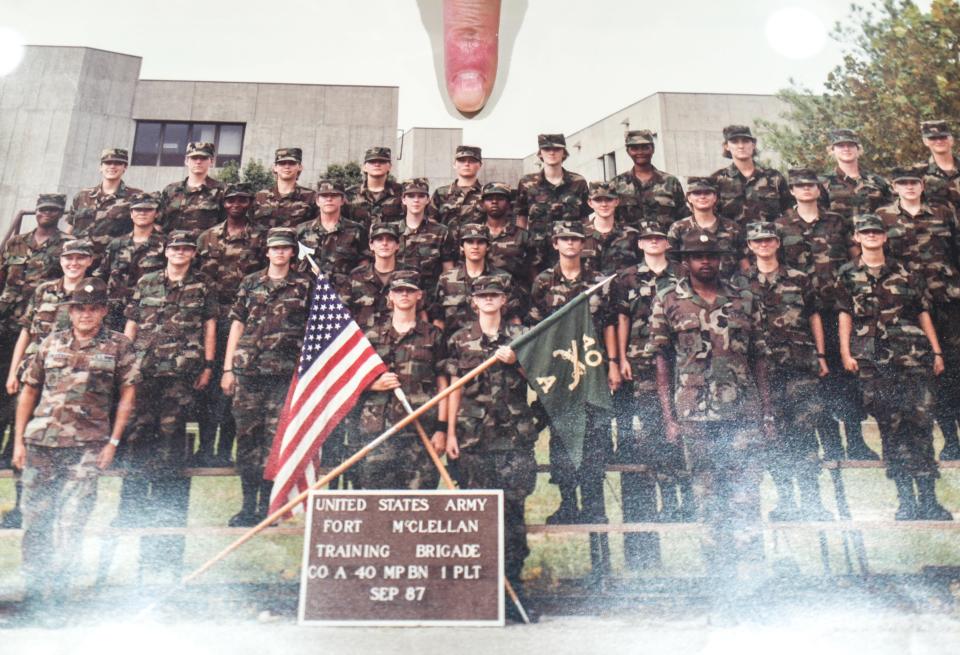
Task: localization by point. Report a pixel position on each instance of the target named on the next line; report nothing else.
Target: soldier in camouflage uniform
(46, 313)
(511, 247)
(491, 430)
(226, 253)
(102, 212)
(26, 261)
(553, 195)
(551, 290)
(450, 308)
(266, 334)
(816, 241)
(377, 198)
(794, 334)
(925, 237)
(888, 338)
(130, 257)
(461, 202)
(851, 190)
(425, 245)
(609, 246)
(631, 299)
(287, 204)
(710, 352)
(65, 439)
(338, 244)
(415, 354)
(748, 192)
(941, 180)
(195, 203)
(365, 291)
(645, 192)
(172, 320)
(702, 195)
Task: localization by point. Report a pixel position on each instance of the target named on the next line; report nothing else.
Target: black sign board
(403, 558)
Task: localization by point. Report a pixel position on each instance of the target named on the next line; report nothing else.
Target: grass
(553, 557)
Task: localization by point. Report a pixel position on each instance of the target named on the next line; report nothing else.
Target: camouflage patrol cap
(487, 285)
(52, 200)
(377, 153)
(762, 230)
(843, 136)
(200, 148)
(802, 176)
(288, 154)
(415, 185)
(738, 132)
(381, 229)
(551, 141)
(468, 151)
(114, 154)
(638, 138)
(905, 173)
(868, 223)
(699, 242)
(282, 236)
(700, 185)
(475, 232)
(145, 201)
(235, 189)
(330, 187)
(568, 229)
(181, 238)
(603, 190)
(406, 279)
(496, 189)
(651, 228)
(934, 128)
(77, 247)
(90, 291)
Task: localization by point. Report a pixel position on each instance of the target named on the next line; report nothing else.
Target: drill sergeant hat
(699, 242)
(90, 291)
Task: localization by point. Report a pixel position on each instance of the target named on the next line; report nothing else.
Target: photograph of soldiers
(287, 204)
(64, 438)
(267, 322)
(887, 338)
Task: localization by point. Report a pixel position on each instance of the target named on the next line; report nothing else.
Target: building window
(608, 166)
(164, 143)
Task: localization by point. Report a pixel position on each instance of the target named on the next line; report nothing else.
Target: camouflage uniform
(727, 233)
(819, 248)
(451, 299)
(368, 208)
(716, 404)
(661, 198)
(100, 217)
(193, 209)
(456, 206)
(496, 431)
(123, 264)
(514, 251)
(610, 252)
(45, 314)
(418, 358)
(632, 294)
(941, 187)
(337, 251)
(850, 197)
(69, 427)
(763, 197)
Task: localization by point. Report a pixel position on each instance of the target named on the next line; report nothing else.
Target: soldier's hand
(850, 365)
(672, 432)
(19, 459)
(439, 442)
(626, 371)
(453, 448)
(228, 383)
(613, 377)
(824, 369)
(506, 355)
(203, 379)
(938, 366)
(105, 458)
(386, 382)
(13, 384)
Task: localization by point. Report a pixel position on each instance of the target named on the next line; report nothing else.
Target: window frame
(137, 157)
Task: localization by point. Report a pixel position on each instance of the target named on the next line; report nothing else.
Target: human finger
(470, 49)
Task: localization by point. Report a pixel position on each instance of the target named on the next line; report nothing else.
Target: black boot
(928, 508)
(263, 505)
(786, 509)
(951, 444)
(811, 504)
(857, 448)
(907, 511)
(14, 518)
(830, 439)
(247, 516)
(599, 558)
(591, 496)
(568, 512)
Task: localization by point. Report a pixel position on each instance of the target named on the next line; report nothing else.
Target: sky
(571, 62)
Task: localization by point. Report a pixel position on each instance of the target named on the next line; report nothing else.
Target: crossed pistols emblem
(591, 358)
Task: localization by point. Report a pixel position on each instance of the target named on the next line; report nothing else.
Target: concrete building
(688, 130)
(63, 105)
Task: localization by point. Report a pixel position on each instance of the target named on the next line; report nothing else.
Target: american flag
(336, 364)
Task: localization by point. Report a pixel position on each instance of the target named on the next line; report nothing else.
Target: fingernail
(467, 91)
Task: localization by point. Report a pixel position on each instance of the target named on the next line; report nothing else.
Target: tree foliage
(901, 65)
(258, 175)
(347, 174)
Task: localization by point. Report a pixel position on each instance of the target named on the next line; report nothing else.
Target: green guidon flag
(563, 359)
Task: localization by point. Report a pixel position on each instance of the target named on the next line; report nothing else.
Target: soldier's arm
(614, 379)
(229, 381)
(926, 324)
(130, 330)
(209, 353)
(845, 329)
(623, 335)
(26, 403)
(816, 328)
(13, 384)
(128, 393)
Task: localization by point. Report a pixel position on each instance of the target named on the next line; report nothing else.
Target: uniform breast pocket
(294, 311)
(738, 334)
(689, 339)
(102, 370)
(54, 368)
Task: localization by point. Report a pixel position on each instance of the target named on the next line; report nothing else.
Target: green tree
(901, 65)
(258, 175)
(347, 174)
